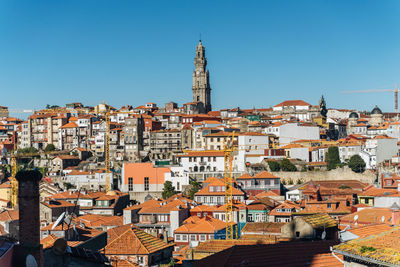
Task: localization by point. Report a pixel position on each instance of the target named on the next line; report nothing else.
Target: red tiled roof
(134, 241)
(300, 253)
(292, 103)
(69, 125)
(218, 183)
(206, 224)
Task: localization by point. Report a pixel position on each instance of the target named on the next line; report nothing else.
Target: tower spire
(201, 81)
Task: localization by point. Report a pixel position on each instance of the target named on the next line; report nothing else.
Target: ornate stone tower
(201, 82)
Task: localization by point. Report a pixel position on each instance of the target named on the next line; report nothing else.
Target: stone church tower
(201, 81)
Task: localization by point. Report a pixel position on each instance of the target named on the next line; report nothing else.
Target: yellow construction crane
(14, 182)
(395, 90)
(14, 170)
(229, 148)
(107, 151)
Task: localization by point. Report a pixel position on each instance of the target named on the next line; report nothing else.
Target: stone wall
(336, 174)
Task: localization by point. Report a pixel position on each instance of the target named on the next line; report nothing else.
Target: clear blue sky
(259, 52)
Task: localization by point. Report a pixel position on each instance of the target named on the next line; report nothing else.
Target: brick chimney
(395, 213)
(29, 220)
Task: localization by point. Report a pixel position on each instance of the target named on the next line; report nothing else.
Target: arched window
(196, 169)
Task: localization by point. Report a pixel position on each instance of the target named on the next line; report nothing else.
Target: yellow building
(5, 191)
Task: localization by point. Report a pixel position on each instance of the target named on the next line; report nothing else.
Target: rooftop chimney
(29, 221)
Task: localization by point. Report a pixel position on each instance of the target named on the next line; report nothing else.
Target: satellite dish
(323, 236)
(30, 261)
(59, 220)
(356, 217)
(383, 219)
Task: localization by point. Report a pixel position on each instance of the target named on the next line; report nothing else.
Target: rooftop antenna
(59, 220)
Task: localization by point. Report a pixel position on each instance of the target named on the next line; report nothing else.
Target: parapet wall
(336, 174)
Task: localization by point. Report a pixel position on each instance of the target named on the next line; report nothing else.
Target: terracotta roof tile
(134, 241)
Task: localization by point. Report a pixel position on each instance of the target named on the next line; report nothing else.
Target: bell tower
(201, 81)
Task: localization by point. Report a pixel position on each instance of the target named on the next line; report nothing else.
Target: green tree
(43, 170)
(169, 190)
(5, 170)
(287, 166)
(28, 150)
(68, 186)
(195, 188)
(274, 166)
(356, 163)
(332, 157)
(50, 147)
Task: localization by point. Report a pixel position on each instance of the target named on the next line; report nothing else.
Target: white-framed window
(263, 217)
(177, 237)
(184, 237)
(193, 238)
(202, 237)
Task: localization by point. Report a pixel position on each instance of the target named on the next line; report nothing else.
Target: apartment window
(141, 260)
(130, 184)
(329, 205)
(250, 217)
(146, 183)
(184, 237)
(263, 217)
(214, 159)
(202, 237)
(192, 237)
(177, 237)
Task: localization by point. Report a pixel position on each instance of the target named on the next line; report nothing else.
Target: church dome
(353, 115)
(376, 110)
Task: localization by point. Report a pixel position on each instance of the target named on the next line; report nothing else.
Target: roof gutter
(334, 255)
(365, 259)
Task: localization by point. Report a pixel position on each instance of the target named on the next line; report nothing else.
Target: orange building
(142, 179)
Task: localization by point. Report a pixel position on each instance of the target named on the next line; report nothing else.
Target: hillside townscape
(295, 184)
